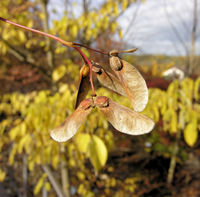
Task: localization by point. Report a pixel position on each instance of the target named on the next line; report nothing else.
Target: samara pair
(126, 81)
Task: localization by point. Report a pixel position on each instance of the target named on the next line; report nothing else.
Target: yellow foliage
(191, 133)
(39, 184)
(2, 175)
(97, 152)
(197, 89)
(82, 141)
(59, 72)
(47, 186)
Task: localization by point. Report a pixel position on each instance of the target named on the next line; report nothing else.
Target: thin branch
(193, 36)
(53, 181)
(64, 173)
(175, 30)
(23, 58)
(69, 44)
(134, 16)
(46, 29)
(172, 165)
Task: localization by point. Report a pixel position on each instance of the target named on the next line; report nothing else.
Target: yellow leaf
(59, 72)
(31, 165)
(191, 133)
(21, 36)
(97, 152)
(197, 89)
(12, 154)
(120, 33)
(82, 141)
(24, 140)
(55, 161)
(39, 184)
(13, 133)
(124, 4)
(2, 175)
(47, 186)
(74, 30)
(81, 176)
(174, 122)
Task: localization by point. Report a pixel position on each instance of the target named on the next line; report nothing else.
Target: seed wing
(125, 120)
(110, 81)
(69, 128)
(133, 84)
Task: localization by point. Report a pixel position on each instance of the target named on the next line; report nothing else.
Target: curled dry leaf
(69, 128)
(84, 85)
(132, 82)
(122, 118)
(108, 80)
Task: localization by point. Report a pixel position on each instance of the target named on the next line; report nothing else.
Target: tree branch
(46, 29)
(28, 60)
(53, 181)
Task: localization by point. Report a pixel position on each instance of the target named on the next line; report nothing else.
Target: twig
(53, 181)
(172, 165)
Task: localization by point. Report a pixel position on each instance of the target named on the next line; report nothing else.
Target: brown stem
(81, 45)
(87, 61)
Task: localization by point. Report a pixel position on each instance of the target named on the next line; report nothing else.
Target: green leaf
(191, 133)
(97, 152)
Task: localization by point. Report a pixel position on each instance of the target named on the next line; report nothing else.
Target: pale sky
(151, 30)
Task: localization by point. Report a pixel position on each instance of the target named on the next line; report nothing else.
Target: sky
(151, 28)
(152, 31)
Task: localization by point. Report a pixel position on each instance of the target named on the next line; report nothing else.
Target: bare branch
(53, 181)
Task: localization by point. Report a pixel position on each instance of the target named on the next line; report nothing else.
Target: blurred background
(38, 86)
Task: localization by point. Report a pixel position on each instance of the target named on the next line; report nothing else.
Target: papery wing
(124, 119)
(84, 85)
(110, 81)
(69, 128)
(133, 83)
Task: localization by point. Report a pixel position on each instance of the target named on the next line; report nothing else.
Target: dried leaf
(108, 80)
(84, 85)
(132, 81)
(122, 118)
(68, 129)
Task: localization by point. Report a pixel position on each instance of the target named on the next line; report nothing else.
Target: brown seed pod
(115, 61)
(123, 119)
(101, 101)
(69, 128)
(84, 85)
(108, 80)
(132, 82)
